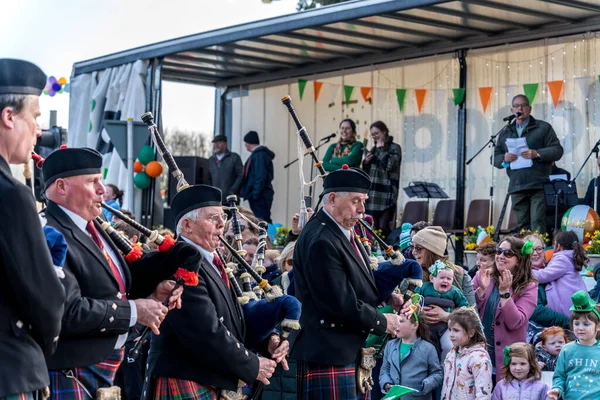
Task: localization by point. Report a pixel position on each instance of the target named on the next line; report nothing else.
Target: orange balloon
(62, 81)
(138, 167)
(153, 169)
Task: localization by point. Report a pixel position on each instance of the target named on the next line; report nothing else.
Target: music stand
(425, 190)
(560, 192)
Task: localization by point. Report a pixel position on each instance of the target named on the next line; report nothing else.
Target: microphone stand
(492, 143)
(595, 149)
(324, 140)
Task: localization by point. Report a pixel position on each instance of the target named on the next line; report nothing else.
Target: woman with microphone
(347, 150)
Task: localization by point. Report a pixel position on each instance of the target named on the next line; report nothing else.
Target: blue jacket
(258, 175)
(420, 369)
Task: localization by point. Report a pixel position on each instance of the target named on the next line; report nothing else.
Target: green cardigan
(353, 159)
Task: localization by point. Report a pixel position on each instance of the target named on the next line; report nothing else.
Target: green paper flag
(459, 95)
(348, 93)
(301, 86)
(397, 391)
(401, 95)
(530, 90)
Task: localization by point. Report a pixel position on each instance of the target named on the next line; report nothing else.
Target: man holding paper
(527, 150)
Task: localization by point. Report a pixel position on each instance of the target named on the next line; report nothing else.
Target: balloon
(51, 93)
(45, 92)
(146, 154)
(154, 169)
(48, 86)
(62, 81)
(61, 90)
(138, 167)
(52, 80)
(56, 87)
(68, 87)
(141, 180)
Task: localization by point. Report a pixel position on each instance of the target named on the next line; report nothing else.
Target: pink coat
(511, 321)
(468, 374)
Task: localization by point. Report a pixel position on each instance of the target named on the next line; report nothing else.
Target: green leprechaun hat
(582, 302)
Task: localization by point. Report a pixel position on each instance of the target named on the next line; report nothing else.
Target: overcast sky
(57, 33)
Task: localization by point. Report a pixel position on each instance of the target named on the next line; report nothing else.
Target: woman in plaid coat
(382, 163)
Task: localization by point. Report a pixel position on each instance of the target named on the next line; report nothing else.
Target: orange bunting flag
(556, 88)
(318, 86)
(366, 93)
(420, 95)
(485, 93)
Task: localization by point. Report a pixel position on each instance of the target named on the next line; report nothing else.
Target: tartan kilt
(93, 377)
(328, 382)
(179, 389)
(21, 396)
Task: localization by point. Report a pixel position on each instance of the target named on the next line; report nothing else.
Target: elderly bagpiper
(335, 284)
(105, 296)
(31, 296)
(200, 353)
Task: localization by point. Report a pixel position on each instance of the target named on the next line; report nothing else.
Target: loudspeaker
(195, 171)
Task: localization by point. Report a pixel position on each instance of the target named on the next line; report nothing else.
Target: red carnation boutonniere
(183, 277)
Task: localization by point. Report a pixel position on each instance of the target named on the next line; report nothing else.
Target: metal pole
(461, 150)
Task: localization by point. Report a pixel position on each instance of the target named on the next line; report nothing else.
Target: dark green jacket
(546, 317)
(541, 137)
(283, 384)
(353, 159)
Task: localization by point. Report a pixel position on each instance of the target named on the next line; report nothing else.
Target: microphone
(328, 137)
(512, 116)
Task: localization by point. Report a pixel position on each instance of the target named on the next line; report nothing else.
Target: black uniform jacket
(31, 296)
(338, 295)
(95, 312)
(203, 341)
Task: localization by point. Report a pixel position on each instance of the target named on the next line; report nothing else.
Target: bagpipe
(263, 315)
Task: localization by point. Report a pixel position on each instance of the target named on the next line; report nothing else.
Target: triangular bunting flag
(459, 95)
(530, 90)
(485, 93)
(333, 93)
(381, 95)
(440, 96)
(348, 93)
(366, 93)
(400, 96)
(318, 86)
(420, 95)
(584, 85)
(301, 87)
(556, 88)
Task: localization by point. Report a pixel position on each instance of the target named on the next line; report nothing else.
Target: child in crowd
(486, 254)
(522, 375)
(467, 367)
(442, 293)
(561, 275)
(576, 375)
(411, 361)
(552, 341)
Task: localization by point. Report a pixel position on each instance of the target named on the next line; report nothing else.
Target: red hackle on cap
(63, 146)
(345, 166)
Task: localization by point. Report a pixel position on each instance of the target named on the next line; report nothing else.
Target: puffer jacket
(467, 374)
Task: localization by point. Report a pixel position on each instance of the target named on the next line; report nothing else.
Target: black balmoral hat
(67, 162)
(347, 180)
(194, 197)
(21, 77)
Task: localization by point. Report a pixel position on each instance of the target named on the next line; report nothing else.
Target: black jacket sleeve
(29, 267)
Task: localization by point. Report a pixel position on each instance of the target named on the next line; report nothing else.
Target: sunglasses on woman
(508, 253)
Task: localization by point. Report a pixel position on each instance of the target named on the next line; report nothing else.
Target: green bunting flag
(301, 86)
(348, 93)
(530, 90)
(459, 95)
(401, 95)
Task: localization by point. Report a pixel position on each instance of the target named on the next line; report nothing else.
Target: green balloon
(146, 154)
(141, 180)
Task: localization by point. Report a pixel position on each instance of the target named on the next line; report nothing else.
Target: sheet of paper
(517, 146)
(397, 391)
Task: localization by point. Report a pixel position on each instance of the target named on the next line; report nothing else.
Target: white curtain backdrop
(429, 138)
(121, 89)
